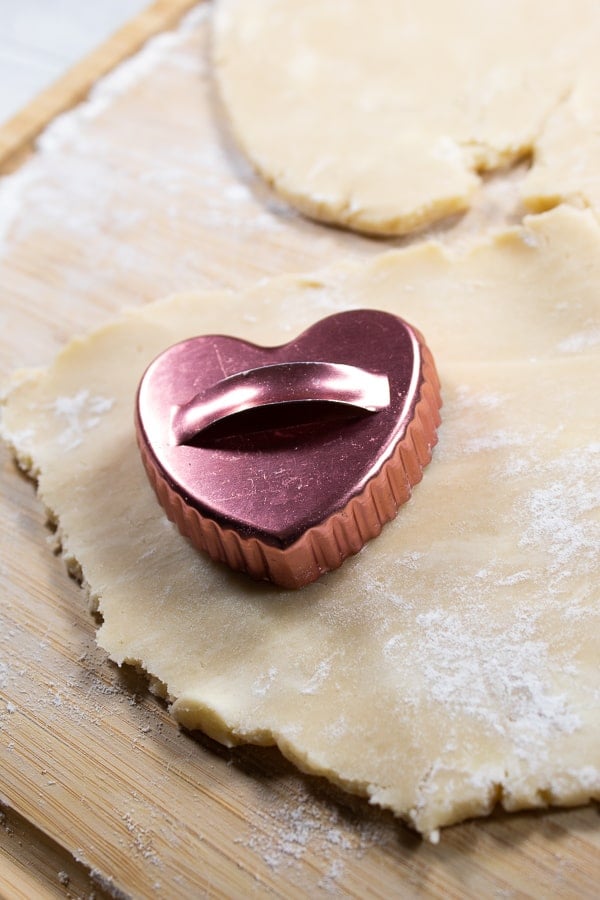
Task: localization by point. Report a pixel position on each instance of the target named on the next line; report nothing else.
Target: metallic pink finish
(271, 442)
(269, 387)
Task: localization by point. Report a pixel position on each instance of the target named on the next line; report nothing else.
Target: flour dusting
(303, 824)
(557, 517)
(262, 684)
(319, 676)
(581, 341)
(503, 678)
(159, 50)
(80, 413)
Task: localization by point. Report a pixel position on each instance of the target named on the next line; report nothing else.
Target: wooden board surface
(18, 134)
(136, 194)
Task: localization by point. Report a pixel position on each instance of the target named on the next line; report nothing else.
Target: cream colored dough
(380, 116)
(454, 662)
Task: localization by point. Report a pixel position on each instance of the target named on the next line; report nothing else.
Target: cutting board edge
(18, 134)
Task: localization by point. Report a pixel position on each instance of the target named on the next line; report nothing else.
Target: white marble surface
(41, 39)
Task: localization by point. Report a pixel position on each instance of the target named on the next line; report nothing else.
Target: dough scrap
(379, 116)
(454, 662)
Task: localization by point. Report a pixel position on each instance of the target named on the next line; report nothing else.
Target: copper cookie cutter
(285, 467)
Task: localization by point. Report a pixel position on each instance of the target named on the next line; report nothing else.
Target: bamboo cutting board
(135, 194)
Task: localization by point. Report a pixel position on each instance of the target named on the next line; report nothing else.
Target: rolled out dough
(454, 662)
(379, 116)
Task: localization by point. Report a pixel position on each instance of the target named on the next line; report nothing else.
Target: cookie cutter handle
(272, 388)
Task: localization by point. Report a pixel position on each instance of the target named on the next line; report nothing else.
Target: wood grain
(19, 133)
(33, 865)
(139, 196)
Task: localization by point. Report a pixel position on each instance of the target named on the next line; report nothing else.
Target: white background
(41, 39)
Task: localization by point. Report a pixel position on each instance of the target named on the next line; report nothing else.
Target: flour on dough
(380, 116)
(453, 663)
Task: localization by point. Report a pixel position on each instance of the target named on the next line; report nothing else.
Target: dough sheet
(382, 116)
(454, 663)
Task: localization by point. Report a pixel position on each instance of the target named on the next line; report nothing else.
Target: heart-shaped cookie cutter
(277, 460)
